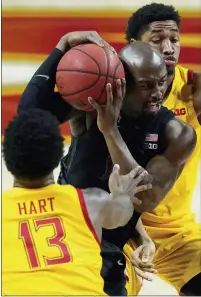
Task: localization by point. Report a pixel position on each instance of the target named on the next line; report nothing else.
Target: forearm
(140, 235)
(39, 92)
(118, 212)
(121, 155)
(164, 176)
(119, 151)
(42, 80)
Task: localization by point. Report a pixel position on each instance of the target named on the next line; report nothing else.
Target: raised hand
(72, 39)
(128, 184)
(108, 114)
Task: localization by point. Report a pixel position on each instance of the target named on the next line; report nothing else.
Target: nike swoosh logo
(41, 75)
(120, 263)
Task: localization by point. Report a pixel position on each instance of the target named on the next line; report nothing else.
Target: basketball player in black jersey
(133, 132)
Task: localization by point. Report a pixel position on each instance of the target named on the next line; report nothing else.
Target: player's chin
(170, 69)
(152, 110)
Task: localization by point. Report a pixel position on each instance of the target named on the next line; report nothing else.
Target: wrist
(145, 240)
(110, 131)
(63, 45)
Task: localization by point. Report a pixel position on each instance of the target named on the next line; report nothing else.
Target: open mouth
(153, 107)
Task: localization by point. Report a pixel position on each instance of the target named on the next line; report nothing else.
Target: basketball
(84, 71)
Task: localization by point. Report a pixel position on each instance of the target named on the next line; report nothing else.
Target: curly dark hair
(139, 22)
(33, 145)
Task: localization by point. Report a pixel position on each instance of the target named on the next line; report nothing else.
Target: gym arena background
(32, 28)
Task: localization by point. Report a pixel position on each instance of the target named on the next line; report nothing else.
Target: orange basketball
(84, 72)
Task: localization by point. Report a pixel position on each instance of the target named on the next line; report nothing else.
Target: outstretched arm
(106, 211)
(114, 210)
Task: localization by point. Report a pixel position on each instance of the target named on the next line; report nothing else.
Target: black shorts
(112, 272)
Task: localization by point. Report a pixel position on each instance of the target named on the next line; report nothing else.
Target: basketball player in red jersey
(159, 26)
(50, 232)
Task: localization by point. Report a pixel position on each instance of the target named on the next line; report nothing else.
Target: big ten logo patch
(151, 142)
(179, 111)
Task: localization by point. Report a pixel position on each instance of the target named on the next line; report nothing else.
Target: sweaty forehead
(160, 26)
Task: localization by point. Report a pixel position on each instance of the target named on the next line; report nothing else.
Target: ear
(132, 40)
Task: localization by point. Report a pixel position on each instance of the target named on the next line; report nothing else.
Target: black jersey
(88, 162)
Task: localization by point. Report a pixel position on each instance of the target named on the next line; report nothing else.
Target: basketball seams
(88, 72)
(89, 87)
(98, 74)
(77, 49)
(103, 61)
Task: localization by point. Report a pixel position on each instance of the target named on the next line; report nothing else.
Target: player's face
(145, 90)
(164, 36)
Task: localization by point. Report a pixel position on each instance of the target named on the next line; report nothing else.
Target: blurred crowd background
(32, 28)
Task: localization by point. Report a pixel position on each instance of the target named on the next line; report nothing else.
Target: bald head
(146, 78)
(140, 55)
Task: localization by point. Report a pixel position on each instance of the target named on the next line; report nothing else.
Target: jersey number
(55, 240)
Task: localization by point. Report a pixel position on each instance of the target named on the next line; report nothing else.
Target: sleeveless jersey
(178, 201)
(49, 245)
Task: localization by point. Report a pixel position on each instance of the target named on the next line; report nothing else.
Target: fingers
(109, 95)
(143, 274)
(115, 177)
(132, 40)
(119, 94)
(95, 38)
(119, 89)
(147, 267)
(94, 104)
(140, 177)
(143, 188)
(150, 270)
(145, 254)
(123, 86)
(106, 44)
(133, 173)
(136, 201)
(136, 261)
(116, 168)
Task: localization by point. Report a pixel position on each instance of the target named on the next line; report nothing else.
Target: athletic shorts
(178, 254)
(113, 270)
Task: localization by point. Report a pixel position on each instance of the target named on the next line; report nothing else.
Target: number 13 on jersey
(56, 240)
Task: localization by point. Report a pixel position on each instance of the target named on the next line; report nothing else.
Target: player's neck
(34, 184)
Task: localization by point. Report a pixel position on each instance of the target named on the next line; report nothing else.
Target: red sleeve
(86, 215)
